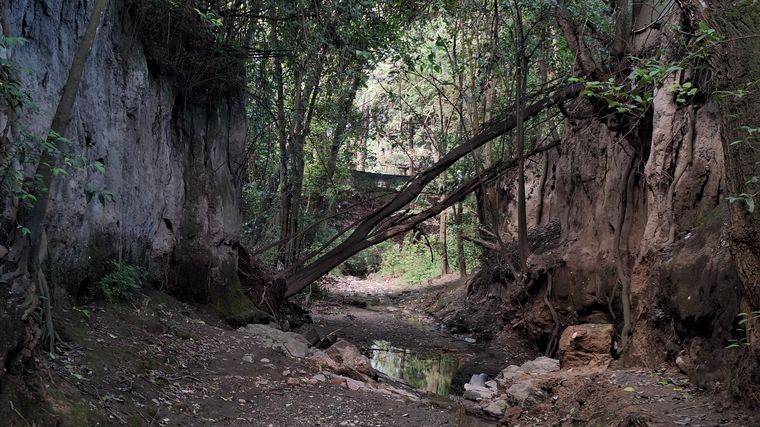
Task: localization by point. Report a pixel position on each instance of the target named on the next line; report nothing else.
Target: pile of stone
(583, 349)
(514, 386)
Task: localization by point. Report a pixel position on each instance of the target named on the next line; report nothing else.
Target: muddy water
(408, 348)
(429, 372)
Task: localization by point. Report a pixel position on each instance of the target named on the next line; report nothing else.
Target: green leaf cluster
(122, 282)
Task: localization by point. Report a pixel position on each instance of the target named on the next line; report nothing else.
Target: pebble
(265, 360)
(248, 358)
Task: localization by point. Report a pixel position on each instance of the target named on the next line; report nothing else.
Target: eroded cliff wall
(172, 159)
(643, 202)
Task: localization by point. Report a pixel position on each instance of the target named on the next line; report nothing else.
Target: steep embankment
(172, 148)
(643, 208)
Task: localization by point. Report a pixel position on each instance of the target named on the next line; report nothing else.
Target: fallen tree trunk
(365, 233)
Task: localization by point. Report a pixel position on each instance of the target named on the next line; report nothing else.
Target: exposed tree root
(622, 278)
(551, 346)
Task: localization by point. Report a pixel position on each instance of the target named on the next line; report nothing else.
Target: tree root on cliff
(553, 340)
(623, 279)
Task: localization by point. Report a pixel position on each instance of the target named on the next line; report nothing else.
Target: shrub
(122, 282)
(412, 263)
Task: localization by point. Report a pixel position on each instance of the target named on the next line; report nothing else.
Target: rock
(491, 385)
(497, 408)
(541, 365)
(248, 358)
(587, 345)
(319, 378)
(353, 384)
(513, 413)
(292, 343)
(3, 251)
(264, 360)
(478, 380)
(525, 393)
(293, 381)
(345, 359)
(312, 336)
(324, 361)
(470, 340)
(476, 393)
(394, 391)
(347, 382)
(348, 356)
(509, 372)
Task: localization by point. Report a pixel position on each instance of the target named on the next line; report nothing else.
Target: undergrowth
(122, 283)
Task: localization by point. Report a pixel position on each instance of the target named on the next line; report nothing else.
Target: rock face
(586, 346)
(173, 160)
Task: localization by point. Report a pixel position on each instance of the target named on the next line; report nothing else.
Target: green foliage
(365, 262)
(122, 282)
(634, 96)
(412, 262)
(743, 318)
(745, 198)
(683, 91)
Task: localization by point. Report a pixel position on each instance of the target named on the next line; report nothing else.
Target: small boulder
(525, 393)
(476, 393)
(292, 343)
(541, 365)
(347, 355)
(478, 380)
(509, 373)
(345, 359)
(586, 346)
(496, 408)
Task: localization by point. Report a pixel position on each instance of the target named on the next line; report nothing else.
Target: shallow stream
(429, 372)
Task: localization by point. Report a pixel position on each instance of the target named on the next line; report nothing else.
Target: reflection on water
(432, 373)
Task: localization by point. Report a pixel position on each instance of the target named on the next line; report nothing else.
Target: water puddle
(428, 372)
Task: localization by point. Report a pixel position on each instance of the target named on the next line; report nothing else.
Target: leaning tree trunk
(28, 290)
(357, 240)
